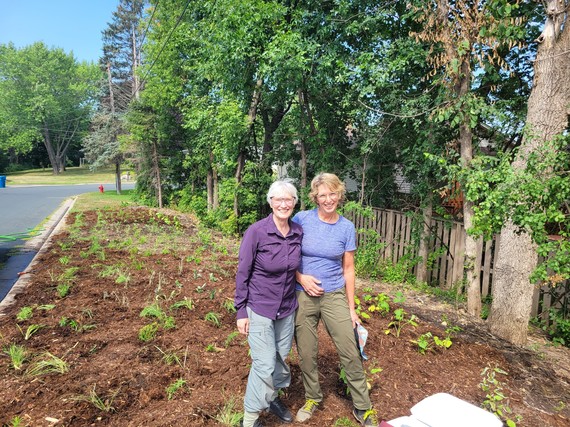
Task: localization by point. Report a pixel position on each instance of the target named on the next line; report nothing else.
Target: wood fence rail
(446, 246)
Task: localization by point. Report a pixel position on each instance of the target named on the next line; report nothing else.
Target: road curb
(40, 243)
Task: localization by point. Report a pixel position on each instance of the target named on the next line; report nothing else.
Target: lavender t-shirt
(323, 247)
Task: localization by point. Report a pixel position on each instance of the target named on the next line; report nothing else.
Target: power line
(164, 45)
(148, 26)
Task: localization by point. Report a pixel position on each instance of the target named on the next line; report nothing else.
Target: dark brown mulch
(142, 256)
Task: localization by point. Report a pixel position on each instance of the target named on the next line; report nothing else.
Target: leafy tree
(547, 187)
(122, 40)
(46, 95)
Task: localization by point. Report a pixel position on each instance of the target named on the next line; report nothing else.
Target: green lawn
(108, 199)
(73, 175)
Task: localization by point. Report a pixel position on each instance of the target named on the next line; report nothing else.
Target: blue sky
(73, 25)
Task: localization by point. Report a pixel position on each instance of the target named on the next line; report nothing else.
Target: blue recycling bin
(2, 181)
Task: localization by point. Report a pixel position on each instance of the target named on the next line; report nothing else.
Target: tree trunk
(252, 114)
(156, 167)
(547, 116)
(466, 148)
(51, 153)
(422, 272)
(118, 177)
(303, 166)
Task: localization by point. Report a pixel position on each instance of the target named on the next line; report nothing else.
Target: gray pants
(333, 309)
(270, 342)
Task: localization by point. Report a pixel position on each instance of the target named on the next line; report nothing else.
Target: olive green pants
(332, 308)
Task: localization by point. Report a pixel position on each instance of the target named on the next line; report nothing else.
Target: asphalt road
(22, 209)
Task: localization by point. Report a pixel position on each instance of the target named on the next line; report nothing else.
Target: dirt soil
(118, 263)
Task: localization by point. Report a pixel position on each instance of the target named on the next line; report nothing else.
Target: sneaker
(307, 410)
(367, 418)
(278, 408)
(257, 423)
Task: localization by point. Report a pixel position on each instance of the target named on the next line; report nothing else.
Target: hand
(354, 317)
(243, 326)
(311, 285)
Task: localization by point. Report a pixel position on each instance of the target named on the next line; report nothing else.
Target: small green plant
(25, 313)
(229, 415)
(47, 363)
(154, 310)
(228, 304)
(30, 330)
(174, 387)
(399, 321)
(212, 348)
(344, 422)
(200, 288)
(63, 289)
(148, 332)
(424, 342)
(187, 303)
(64, 260)
(170, 358)
(104, 404)
(213, 318)
(230, 338)
(18, 355)
(75, 325)
(16, 422)
(45, 307)
(495, 400)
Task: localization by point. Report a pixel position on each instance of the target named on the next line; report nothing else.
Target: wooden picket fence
(446, 246)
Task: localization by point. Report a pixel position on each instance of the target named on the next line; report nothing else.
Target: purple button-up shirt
(265, 280)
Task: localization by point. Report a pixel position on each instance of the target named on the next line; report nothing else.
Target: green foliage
(154, 310)
(41, 90)
(18, 355)
(401, 272)
(230, 338)
(187, 303)
(175, 387)
(495, 399)
(400, 321)
(558, 328)
(30, 330)
(45, 364)
(148, 332)
(367, 259)
(424, 342)
(534, 199)
(213, 318)
(229, 414)
(104, 404)
(25, 313)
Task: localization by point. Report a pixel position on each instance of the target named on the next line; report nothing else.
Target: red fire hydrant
(101, 189)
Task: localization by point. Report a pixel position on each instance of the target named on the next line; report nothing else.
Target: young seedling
(104, 404)
(148, 332)
(229, 415)
(185, 303)
(213, 318)
(47, 364)
(424, 342)
(18, 355)
(399, 321)
(25, 313)
(228, 304)
(30, 330)
(170, 358)
(495, 400)
(174, 387)
(230, 338)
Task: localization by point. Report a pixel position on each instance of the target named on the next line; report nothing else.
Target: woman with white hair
(265, 299)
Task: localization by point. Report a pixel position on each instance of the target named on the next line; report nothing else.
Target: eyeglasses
(279, 201)
(323, 197)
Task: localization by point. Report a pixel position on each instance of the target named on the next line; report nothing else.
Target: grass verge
(72, 175)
